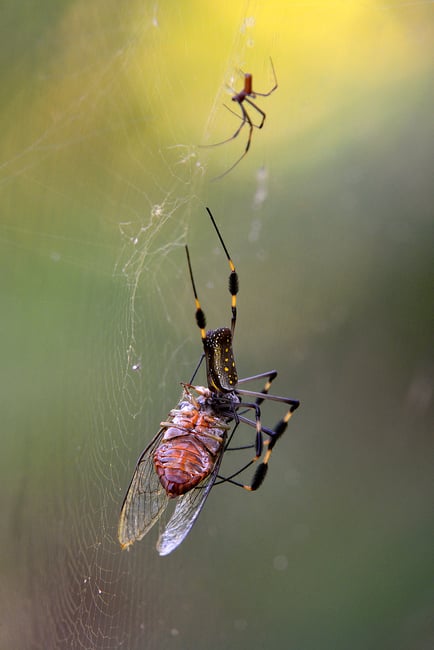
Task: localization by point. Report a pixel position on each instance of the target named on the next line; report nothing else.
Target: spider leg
(257, 425)
(250, 423)
(235, 427)
(228, 479)
(258, 443)
(243, 121)
(246, 118)
(271, 376)
(253, 105)
(274, 434)
(202, 357)
(233, 276)
(261, 472)
(277, 432)
(275, 83)
(240, 117)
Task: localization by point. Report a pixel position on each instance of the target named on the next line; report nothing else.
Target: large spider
(182, 461)
(245, 96)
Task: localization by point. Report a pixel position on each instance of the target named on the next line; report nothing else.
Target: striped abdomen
(182, 462)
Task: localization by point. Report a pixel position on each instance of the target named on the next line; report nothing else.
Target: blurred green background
(329, 221)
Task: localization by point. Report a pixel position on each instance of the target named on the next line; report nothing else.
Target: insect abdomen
(181, 463)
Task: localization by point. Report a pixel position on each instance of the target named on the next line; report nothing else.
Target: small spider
(246, 95)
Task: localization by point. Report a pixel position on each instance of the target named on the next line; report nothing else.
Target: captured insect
(246, 95)
(183, 460)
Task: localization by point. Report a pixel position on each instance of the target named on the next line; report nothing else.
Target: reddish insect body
(185, 454)
(190, 445)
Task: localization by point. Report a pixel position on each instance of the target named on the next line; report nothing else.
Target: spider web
(103, 182)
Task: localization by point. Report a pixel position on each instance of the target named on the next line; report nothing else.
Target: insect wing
(187, 510)
(145, 500)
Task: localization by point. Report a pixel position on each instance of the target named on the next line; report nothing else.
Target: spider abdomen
(220, 362)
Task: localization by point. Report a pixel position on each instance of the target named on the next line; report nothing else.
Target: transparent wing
(188, 507)
(145, 500)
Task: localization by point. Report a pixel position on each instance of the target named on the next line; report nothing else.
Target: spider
(183, 459)
(246, 95)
